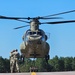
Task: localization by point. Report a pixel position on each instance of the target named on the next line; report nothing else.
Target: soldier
(11, 62)
(14, 61)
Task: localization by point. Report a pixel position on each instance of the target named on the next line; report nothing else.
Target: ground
(42, 73)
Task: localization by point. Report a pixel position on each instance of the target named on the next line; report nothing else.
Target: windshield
(34, 34)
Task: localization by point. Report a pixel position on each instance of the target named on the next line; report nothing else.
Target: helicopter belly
(32, 50)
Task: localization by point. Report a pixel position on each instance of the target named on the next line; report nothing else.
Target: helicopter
(34, 43)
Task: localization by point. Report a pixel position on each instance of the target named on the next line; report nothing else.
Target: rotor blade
(58, 22)
(23, 21)
(60, 13)
(5, 17)
(13, 18)
(21, 27)
(49, 18)
(19, 18)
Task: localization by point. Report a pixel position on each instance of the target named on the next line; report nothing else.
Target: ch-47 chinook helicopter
(34, 43)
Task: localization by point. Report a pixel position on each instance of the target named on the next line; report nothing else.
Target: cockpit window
(30, 33)
(39, 33)
(33, 33)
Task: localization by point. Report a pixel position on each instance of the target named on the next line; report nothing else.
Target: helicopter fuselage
(34, 44)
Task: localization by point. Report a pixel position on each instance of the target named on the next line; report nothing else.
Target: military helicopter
(34, 43)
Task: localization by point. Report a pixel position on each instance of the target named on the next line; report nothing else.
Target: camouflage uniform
(11, 62)
(14, 61)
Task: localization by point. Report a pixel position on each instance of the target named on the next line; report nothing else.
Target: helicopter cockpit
(36, 35)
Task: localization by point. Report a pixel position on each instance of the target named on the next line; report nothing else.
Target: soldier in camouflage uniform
(14, 61)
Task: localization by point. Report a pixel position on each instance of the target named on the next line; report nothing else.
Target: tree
(56, 63)
(40, 64)
(2, 68)
(73, 64)
(61, 64)
(7, 65)
(68, 63)
(25, 66)
(4, 65)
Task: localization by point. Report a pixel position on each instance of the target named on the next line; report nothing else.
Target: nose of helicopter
(34, 37)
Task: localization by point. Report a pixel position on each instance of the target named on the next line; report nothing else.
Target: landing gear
(47, 57)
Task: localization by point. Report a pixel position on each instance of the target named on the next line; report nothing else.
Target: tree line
(54, 64)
